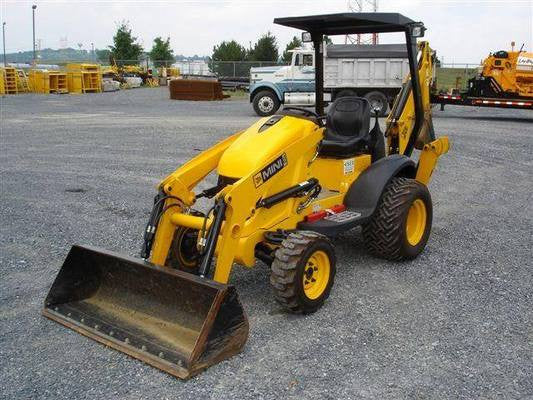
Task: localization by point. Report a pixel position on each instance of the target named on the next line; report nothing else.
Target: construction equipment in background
(196, 89)
(84, 78)
(46, 82)
(166, 74)
(285, 185)
(505, 80)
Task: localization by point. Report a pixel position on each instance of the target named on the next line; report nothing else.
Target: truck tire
(400, 226)
(265, 103)
(303, 271)
(378, 100)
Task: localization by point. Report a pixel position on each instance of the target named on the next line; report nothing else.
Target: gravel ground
(454, 323)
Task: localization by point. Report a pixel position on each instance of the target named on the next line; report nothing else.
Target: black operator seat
(347, 128)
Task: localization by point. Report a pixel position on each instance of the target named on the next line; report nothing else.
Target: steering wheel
(304, 111)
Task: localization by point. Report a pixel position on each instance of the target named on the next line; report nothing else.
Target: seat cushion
(347, 127)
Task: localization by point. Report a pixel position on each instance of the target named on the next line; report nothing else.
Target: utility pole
(4, 41)
(33, 17)
(92, 51)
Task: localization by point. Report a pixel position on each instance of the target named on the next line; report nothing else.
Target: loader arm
(403, 133)
(179, 185)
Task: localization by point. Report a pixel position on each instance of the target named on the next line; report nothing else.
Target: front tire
(265, 103)
(400, 226)
(183, 253)
(303, 271)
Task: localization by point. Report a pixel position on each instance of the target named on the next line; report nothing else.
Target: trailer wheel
(400, 226)
(303, 271)
(378, 101)
(265, 103)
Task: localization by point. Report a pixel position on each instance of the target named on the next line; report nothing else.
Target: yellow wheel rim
(416, 222)
(316, 274)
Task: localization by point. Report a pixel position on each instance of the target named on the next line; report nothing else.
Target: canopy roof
(348, 23)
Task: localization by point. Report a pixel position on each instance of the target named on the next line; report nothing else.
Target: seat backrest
(348, 116)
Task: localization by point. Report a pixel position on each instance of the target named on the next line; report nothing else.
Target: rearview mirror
(306, 37)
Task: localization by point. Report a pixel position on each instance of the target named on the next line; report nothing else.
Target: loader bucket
(175, 321)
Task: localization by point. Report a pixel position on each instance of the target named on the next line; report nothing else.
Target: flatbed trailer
(463, 100)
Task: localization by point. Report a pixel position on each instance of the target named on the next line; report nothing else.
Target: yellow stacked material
(152, 82)
(44, 81)
(84, 78)
(10, 80)
(169, 72)
(173, 72)
(39, 81)
(58, 82)
(2, 80)
(22, 81)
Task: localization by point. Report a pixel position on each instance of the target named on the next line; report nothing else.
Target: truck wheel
(303, 271)
(265, 103)
(378, 101)
(183, 253)
(400, 226)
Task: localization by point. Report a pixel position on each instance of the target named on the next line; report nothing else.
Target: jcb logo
(270, 170)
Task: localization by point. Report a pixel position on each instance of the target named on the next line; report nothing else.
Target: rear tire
(265, 103)
(303, 271)
(378, 100)
(400, 226)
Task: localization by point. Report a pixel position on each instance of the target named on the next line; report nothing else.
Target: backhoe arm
(402, 133)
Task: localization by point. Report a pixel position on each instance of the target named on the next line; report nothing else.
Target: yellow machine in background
(285, 186)
(504, 74)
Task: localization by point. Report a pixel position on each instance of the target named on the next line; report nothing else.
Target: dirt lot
(454, 323)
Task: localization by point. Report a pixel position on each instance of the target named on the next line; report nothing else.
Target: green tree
(229, 51)
(125, 46)
(266, 49)
(222, 56)
(103, 55)
(161, 52)
(294, 43)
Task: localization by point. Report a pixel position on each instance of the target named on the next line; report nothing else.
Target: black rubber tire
(378, 97)
(183, 254)
(272, 99)
(385, 234)
(288, 267)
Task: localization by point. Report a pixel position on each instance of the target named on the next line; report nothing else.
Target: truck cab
(288, 84)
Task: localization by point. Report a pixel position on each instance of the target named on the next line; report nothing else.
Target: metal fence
(449, 75)
(454, 75)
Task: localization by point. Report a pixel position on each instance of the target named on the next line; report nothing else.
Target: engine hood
(261, 143)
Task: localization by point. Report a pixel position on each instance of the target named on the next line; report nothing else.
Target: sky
(461, 31)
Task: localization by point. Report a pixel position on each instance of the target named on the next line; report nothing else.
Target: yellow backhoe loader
(285, 185)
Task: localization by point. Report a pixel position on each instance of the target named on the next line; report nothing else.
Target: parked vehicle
(375, 72)
(505, 80)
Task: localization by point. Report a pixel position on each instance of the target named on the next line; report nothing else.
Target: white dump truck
(372, 71)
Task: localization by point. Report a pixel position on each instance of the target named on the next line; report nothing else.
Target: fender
(262, 85)
(365, 193)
